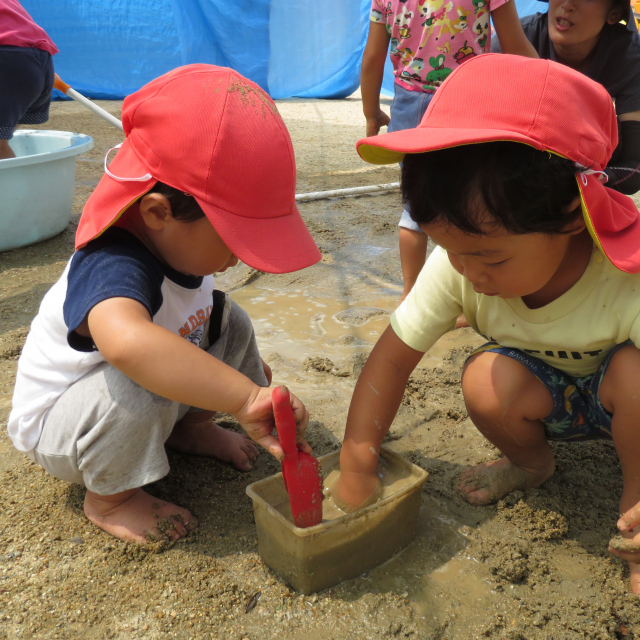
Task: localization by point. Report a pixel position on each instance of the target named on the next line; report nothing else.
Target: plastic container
(319, 557)
(37, 185)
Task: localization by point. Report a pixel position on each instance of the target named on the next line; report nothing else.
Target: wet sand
(534, 566)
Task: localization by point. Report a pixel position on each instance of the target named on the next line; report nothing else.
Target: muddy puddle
(295, 323)
(302, 323)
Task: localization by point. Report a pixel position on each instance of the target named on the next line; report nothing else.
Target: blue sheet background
(110, 48)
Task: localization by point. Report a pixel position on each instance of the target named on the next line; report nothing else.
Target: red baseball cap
(212, 133)
(540, 103)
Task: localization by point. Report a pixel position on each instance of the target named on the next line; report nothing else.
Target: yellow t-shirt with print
(573, 333)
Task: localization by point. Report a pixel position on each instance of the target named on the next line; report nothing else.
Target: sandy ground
(535, 566)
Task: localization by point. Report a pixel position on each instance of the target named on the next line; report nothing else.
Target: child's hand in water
(354, 489)
(256, 418)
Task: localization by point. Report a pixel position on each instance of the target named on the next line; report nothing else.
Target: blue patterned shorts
(577, 412)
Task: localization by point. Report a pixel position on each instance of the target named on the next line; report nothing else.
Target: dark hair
(520, 188)
(183, 206)
(623, 6)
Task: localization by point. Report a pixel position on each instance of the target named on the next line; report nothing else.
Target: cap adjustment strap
(144, 178)
(584, 172)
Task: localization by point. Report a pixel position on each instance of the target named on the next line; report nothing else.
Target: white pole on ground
(352, 191)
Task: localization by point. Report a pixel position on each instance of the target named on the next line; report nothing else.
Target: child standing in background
(429, 39)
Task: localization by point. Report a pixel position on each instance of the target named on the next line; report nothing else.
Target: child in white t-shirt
(133, 348)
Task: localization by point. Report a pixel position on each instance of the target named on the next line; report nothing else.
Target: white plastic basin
(36, 187)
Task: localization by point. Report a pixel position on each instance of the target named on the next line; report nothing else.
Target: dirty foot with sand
(489, 482)
(136, 516)
(198, 434)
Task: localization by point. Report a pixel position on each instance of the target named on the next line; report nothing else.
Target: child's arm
(375, 402)
(623, 169)
(373, 59)
(173, 368)
(509, 31)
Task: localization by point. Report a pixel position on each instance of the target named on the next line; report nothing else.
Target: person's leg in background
(407, 110)
(26, 83)
(413, 251)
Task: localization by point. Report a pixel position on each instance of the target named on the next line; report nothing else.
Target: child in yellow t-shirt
(542, 259)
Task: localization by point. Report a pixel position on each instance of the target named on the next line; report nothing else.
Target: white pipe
(72, 93)
(352, 191)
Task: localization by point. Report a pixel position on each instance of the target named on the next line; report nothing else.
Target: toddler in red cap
(133, 348)
(505, 174)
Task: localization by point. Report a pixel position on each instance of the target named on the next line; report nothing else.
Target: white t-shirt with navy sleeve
(54, 357)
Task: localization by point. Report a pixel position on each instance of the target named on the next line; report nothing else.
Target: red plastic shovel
(300, 470)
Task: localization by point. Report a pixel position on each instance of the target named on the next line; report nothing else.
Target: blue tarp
(110, 48)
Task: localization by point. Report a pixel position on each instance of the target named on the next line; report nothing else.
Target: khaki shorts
(108, 433)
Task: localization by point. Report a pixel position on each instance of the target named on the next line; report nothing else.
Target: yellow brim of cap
(379, 155)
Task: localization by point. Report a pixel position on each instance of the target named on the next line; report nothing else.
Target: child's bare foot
(5, 150)
(136, 516)
(491, 481)
(198, 434)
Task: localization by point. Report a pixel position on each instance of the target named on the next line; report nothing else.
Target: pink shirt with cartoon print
(430, 38)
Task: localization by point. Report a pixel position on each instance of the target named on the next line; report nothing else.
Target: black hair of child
(622, 6)
(184, 207)
(508, 184)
